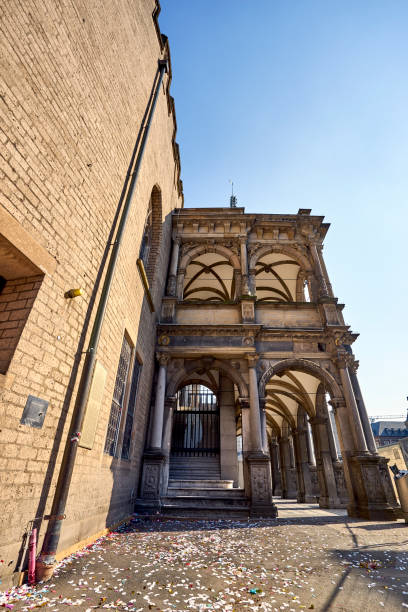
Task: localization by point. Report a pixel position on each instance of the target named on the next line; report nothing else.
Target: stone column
(276, 473)
(154, 459)
(325, 472)
(158, 412)
(323, 289)
(359, 437)
(180, 283)
(172, 278)
(324, 270)
(288, 485)
(299, 468)
(305, 485)
(246, 442)
(265, 446)
(363, 473)
(169, 406)
(259, 465)
(244, 266)
(228, 433)
(252, 282)
(256, 431)
(368, 432)
(310, 445)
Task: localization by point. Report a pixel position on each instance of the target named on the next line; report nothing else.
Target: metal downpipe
(46, 559)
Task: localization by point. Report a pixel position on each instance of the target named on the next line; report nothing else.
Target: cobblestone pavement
(307, 559)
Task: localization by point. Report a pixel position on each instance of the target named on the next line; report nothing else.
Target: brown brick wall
(72, 95)
(16, 300)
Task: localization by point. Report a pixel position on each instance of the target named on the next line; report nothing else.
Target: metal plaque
(34, 412)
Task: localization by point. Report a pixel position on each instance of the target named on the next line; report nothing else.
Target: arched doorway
(195, 439)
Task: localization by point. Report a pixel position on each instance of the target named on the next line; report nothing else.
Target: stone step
(187, 483)
(194, 467)
(209, 513)
(203, 501)
(175, 491)
(194, 475)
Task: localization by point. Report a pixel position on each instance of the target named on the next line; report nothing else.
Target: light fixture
(73, 293)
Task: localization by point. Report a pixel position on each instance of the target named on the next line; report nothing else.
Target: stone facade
(75, 84)
(249, 300)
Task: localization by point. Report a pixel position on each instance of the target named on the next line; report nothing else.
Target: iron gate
(196, 423)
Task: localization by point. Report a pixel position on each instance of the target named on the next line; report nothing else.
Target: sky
(304, 104)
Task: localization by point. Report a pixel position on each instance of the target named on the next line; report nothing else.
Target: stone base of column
(260, 477)
(371, 500)
(152, 479)
(386, 479)
(277, 491)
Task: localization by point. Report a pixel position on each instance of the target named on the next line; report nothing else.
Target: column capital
(252, 360)
(337, 403)
(244, 403)
(243, 239)
(163, 358)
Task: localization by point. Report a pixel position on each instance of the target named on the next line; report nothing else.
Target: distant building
(389, 432)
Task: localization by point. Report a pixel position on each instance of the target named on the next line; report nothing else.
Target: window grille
(127, 435)
(147, 239)
(117, 400)
(196, 423)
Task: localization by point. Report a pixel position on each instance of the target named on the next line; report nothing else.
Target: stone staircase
(204, 498)
(194, 468)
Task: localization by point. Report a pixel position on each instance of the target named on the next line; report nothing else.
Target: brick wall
(76, 81)
(16, 300)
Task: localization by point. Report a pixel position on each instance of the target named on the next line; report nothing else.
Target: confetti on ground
(271, 565)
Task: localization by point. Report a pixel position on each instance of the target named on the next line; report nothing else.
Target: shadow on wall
(138, 402)
(120, 504)
(37, 522)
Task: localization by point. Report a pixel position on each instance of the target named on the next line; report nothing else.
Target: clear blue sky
(304, 104)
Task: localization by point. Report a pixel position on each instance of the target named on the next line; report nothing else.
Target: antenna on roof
(233, 199)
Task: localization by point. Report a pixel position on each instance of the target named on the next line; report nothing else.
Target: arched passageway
(304, 458)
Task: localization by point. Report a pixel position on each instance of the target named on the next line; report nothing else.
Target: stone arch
(210, 248)
(302, 365)
(273, 425)
(190, 367)
(155, 205)
(301, 259)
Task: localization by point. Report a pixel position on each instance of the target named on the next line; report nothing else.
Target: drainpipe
(46, 559)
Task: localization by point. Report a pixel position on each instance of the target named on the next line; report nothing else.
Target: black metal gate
(196, 423)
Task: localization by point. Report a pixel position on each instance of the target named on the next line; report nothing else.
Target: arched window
(146, 243)
(152, 233)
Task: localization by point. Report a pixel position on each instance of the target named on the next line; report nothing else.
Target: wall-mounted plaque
(34, 412)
